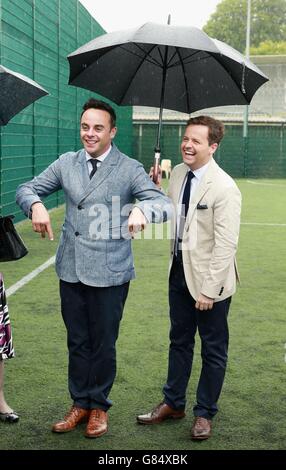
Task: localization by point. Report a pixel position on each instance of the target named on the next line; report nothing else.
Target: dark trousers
(92, 316)
(213, 330)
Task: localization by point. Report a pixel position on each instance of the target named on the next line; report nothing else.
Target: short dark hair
(216, 127)
(98, 104)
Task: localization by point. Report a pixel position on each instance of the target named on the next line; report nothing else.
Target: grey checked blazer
(95, 247)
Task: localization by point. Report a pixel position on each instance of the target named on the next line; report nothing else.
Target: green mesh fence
(261, 155)
(35, 38)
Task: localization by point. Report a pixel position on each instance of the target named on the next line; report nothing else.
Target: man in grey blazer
(94, 258)
(203, 275)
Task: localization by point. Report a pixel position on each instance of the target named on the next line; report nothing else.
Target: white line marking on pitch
(29, 277)
(263, 224)
(51, 261)
(266, 184)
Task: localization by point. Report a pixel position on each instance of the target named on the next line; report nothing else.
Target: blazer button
(77, 234)
(80, 207)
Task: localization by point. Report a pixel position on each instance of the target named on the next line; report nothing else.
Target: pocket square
(202, 206)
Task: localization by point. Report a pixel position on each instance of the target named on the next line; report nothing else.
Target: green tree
(228, 22)
(269, 48)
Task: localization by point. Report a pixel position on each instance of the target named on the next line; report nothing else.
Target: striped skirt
(6, 340)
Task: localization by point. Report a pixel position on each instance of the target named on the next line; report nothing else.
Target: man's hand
(159, 180)
(41, 220)
(204, 302)
(136, 221)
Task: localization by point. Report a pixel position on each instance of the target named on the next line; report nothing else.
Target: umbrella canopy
(127, 67)
(16, 92)
(176, 67)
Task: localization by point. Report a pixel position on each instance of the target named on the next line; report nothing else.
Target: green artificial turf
(253, 401)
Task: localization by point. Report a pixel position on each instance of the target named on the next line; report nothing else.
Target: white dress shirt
(199, 173)
(100, 159)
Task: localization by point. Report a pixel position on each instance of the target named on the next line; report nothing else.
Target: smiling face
(95, 131)
(195, 147)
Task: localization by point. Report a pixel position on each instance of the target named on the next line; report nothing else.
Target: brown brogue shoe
(201, 429)
(75, 416)
(159, 414)
(97, 423)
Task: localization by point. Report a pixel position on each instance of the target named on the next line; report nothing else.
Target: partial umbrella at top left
(16, 93)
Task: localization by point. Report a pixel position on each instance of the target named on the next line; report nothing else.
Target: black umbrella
(16, 92)
(179, 68)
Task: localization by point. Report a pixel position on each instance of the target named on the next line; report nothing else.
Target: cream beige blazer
(211, 232)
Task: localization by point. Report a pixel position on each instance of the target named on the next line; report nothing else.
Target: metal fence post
(58, 87)
(33, 71)
(245, 155)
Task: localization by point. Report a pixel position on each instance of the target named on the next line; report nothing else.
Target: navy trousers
(213, 331)
(92, 316)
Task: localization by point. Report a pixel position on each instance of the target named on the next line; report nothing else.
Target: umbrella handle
(156, 165)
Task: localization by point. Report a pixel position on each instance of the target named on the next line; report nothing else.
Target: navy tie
(94, 163)
(186, 195)
(184, 210)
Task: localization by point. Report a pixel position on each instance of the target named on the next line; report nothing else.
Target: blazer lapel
(105, 168)
(178, 183)
(203, 187)
(201, 190)
(80, 170)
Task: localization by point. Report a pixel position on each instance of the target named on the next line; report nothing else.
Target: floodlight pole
(245, 120)
(245, 123)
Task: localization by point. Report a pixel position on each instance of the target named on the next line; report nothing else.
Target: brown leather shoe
(97, 423)
(201, 429)
(159, 414)
(75, 416)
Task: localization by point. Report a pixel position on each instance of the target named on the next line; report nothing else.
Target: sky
(114, 15)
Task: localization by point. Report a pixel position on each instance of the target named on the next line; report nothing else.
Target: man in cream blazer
(203, 275)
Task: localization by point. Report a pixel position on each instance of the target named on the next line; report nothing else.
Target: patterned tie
(94, 163)
(184, 210)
